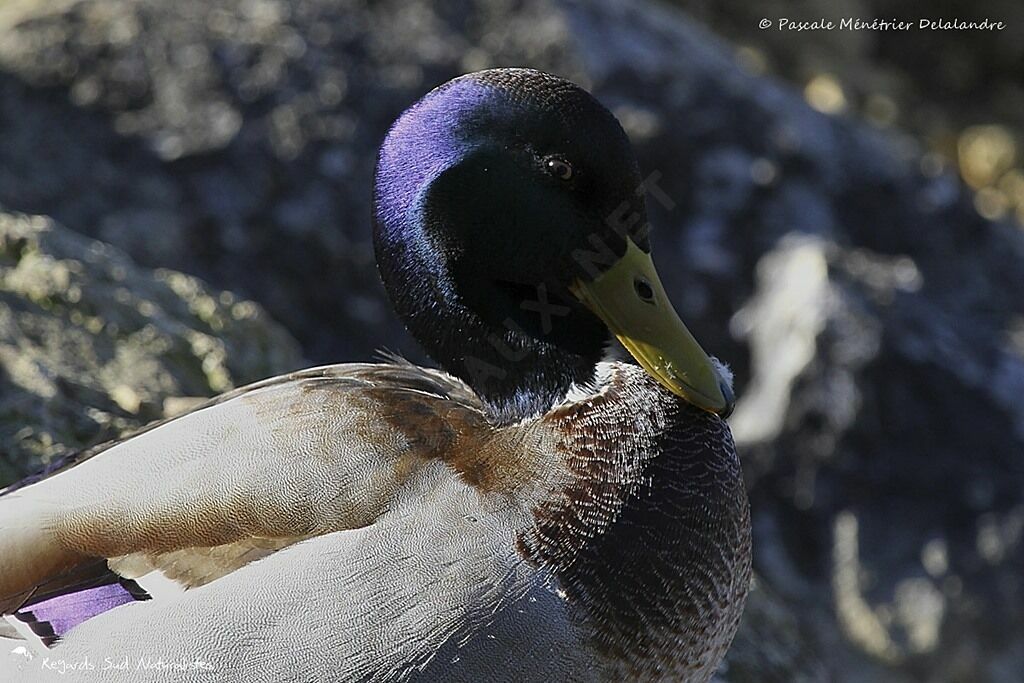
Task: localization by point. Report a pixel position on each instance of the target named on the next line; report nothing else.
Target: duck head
(511, 234)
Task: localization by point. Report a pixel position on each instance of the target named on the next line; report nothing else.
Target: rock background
(874, 319)
(91, 345)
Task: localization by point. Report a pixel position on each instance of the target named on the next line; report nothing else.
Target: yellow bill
(631, 300)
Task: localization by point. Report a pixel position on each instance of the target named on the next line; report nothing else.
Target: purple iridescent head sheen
(469, 223)
(513, 115)
(425, 140)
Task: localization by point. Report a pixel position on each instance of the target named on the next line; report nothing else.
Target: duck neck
(462, 255)
(516, 375)
(515, 371)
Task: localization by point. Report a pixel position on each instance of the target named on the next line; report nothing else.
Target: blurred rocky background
(843, 232)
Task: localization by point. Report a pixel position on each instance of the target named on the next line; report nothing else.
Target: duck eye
(644, 289)
(559, 168)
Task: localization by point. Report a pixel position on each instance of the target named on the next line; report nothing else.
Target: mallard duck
(540, 508)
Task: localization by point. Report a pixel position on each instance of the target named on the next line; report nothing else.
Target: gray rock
(885, 459)
(878, 349)
(92, 345)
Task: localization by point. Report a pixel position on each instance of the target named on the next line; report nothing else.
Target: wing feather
(202, 494)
